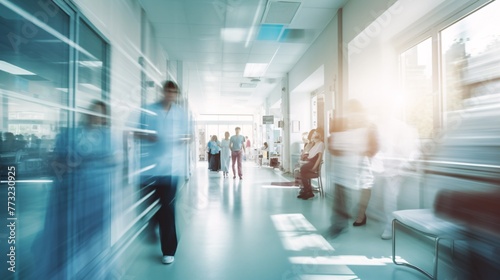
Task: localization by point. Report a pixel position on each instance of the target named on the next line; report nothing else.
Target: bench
(424, 222)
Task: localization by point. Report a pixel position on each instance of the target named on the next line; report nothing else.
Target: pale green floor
(246, 229)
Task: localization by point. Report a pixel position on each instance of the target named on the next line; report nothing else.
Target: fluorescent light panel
(13, 69)
(233, 34)
(253, 70)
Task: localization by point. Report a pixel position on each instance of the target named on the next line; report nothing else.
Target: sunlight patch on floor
(340, 260)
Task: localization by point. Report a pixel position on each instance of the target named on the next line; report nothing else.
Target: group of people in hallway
(230, 149)
(361, 152)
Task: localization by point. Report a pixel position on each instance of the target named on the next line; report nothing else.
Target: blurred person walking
(77, 222)
(167, 151)
(398, 146)
(353, 145)
(248, 146)
(225, 154)
(237, 146)
(214, 148)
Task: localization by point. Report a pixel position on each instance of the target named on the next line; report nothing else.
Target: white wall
(358, 14)
(300, 110)
(273, 97)
(318, 68)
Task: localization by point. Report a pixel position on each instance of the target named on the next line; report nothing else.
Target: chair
(264, 158)
(320, 182)
(426, 223)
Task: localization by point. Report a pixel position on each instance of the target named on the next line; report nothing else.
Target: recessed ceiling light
(233, 34)
(255, 70)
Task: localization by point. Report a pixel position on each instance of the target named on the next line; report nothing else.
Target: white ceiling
(191, 31)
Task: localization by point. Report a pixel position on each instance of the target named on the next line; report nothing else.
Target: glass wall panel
(34, 99)
(37, 133)
(91, 71)
(416, 66)
(34, 79)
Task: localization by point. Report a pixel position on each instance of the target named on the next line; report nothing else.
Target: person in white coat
(398, 147)
(225, 154)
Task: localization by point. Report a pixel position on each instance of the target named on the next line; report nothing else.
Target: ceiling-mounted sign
(267, 119)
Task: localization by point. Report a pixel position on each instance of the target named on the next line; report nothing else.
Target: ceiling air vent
(280, 12)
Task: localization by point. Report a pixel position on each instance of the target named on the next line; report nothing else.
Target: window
(416, 71)
(91, 71)
(35, 77)
(38, 60)
(34, 83)
(474, 39)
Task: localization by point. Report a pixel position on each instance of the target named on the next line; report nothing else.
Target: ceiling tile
(188, 56)
(231, 84)
(209, 67)
(239, 15)
(165, 11)
(233, 66)
(190, 31)
(233, 74)
(238, 94)
(313, 18)
(235, 48)
(293, 49)
(175, 30)
(210, 58)
(283, 58)
(280, 67)
(204, 31)
(260, 58)
(329, 4)
(204, 13)
(235, 57)
(207, 46)
(233, 79)
(261, 47)
(298, 36)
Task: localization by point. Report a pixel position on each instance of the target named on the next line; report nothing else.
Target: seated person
(308, 144)
(264, 151)
(310, 168)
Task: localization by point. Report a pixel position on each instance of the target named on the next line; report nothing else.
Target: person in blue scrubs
(169, 132)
